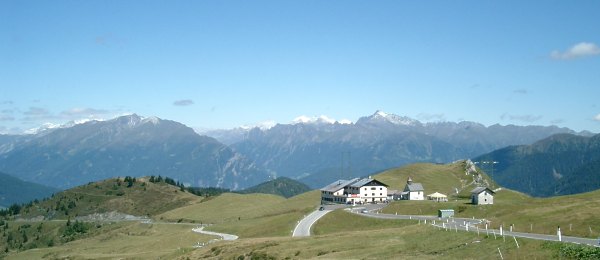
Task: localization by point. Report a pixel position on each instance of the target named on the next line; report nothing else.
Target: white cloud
(597, 117)
(36, 111)
(431, 117)
(582, 49)
(183, 102)
(73, 112)
(522, 118)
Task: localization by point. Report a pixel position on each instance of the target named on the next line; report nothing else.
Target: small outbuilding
(445, 213)
(482, 196)
(437, 197)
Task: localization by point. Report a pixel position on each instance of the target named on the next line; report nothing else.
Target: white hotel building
(357, 190)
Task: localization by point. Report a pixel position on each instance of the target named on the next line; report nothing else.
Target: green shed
(445, 213)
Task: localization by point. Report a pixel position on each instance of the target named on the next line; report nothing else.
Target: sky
(224, 64)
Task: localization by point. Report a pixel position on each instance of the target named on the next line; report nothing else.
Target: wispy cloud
(34, 114)
(85, 112)
(557, 121)
(108, 39)
(522, 118)
(36, 111)
(183, 102)
(520, 91)
(580, 50)
(431, 117)
(6, 118)
(7, 102)
(597, 118)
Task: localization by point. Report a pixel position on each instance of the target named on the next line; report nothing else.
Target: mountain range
(126, 146)
(558, 165)
(315, 151)
(320, 151)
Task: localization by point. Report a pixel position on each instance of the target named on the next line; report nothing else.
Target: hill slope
(140, 198)
(281, 186)
(461, 176)
(558, 165)
(14, 190)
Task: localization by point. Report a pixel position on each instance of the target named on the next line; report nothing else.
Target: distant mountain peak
(134, 120)
(381, 116)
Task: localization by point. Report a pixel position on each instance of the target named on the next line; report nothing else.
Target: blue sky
(222, 64)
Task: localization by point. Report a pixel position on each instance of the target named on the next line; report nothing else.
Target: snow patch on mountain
(323, 119)
(52, 126)
(265, 125)
(153, 120)
(380, 116)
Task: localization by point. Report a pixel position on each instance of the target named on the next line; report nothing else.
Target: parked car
(321, 208)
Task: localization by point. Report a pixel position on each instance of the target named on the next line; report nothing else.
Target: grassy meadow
(576, 214)
(251, 215)
(124, 240)
(342, 235)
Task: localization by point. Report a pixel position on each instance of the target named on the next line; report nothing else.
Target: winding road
(463, 224)
(303, 227)
(223, 236)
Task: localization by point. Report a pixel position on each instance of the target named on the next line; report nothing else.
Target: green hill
(281, 186)
(444, 178)
(138, 197)
(527, 214)
(14, 190)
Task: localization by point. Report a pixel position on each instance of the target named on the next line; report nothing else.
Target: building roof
(366, 182)
(481, 189)
(390, 192)
(437, 195)
(356, 182)
(415, 186)
(337, 185)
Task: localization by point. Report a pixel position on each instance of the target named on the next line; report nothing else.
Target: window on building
(373, 188)
(373, 194)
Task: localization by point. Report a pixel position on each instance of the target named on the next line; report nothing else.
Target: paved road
(303, 227)
(466, 224)
(222, 235)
